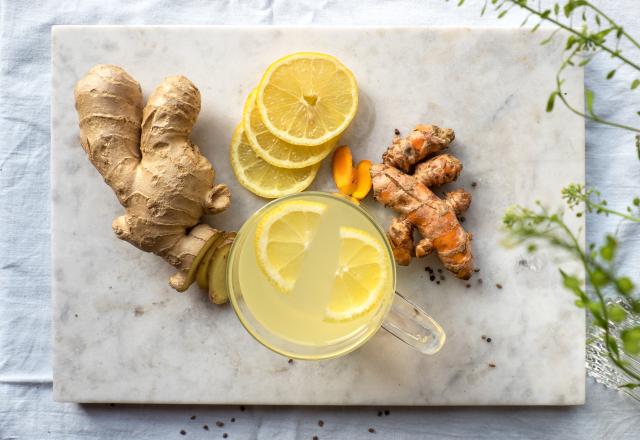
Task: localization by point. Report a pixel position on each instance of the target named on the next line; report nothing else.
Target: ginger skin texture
(409, 195)
(145, 155)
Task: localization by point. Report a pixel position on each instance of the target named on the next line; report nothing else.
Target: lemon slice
(307, 98)
(282, 236)
(361, 275)
(273, 149)
(264, 179)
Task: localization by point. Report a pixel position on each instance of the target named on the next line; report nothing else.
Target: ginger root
(218, 293)
(350, 181)
(202, 273)
(409, 195)
(145, 155)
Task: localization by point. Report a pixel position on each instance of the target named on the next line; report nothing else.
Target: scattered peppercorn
(233, 419)
(492, 365)
(479, 280)
(476, 270)
(499, 286)
(219, 424)
(379, 413)
(205, 427)
(462, 219)
(488, 339)
(397, 132)
(320, 423)
(439, 270)
(183, 432)
(242, 408)
(474, 184)
(387, 412)
(193, 417)
(315, 437)
(112, 404)
(432, 277)
(225, 435)
(437, 282)
(372, 431)
(468, 286)
(442, 277)
(483, 337)
(290, 361)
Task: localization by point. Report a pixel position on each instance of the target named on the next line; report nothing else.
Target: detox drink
(311, 273)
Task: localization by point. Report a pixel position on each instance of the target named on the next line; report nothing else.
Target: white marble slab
(121, 334)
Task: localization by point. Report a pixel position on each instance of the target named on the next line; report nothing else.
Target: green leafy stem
(531, 227)
(526, 226)
(582, 44)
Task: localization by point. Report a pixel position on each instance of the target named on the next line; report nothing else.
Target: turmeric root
(419, 208)
(350, 181)
(145, 155)
(421, 142)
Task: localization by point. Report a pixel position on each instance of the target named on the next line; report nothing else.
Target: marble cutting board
(121, 334)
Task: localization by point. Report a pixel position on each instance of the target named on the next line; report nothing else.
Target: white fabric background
(26, 408)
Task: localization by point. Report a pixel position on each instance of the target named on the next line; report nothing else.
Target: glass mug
(269, 319)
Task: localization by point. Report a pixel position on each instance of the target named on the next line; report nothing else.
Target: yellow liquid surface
(299, 316)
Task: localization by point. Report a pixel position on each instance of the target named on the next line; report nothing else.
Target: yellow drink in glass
(310, 299)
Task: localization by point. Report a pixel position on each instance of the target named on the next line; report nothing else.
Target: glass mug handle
(409, 323)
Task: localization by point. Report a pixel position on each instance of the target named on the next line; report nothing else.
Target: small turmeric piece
(343, 172)
(363, 180)
(350, 181)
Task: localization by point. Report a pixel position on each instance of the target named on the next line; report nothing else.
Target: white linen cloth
(26, 408)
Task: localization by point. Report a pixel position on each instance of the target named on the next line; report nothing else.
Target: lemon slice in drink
(282, 236)
(264, 179)
(361, 275)
(273, 149)
(307, 98)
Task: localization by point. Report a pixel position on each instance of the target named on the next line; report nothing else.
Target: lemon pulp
(260, 177)
(307, 98)
(361, 274)
(274, 150)
(283, 236)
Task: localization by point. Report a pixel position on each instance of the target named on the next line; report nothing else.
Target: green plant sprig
(526, 226)
(532, 227)
(582, 43)
(576, 194)
(589, 100)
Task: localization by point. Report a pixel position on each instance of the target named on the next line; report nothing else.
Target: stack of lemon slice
(291, 122)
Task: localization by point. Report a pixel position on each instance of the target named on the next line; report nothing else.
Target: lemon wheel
(274, 150)
(307, 98)
(361, 276)
(262, 178)
(282, 236)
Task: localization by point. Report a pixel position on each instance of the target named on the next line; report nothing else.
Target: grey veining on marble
(121, 334)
